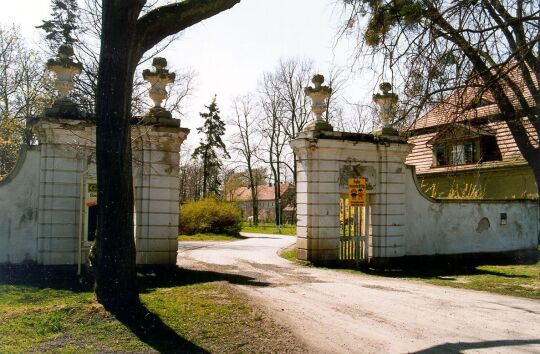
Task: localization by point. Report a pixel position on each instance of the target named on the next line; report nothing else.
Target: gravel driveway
(337, 312)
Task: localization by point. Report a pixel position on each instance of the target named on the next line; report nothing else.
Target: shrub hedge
(210, 216)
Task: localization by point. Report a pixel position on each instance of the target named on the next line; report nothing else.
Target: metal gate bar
(354, 225)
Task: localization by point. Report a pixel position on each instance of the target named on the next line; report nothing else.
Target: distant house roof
(265, 192)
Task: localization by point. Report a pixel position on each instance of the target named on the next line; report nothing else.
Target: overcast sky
(232, 50)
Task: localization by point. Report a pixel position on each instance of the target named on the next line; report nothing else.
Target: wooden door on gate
(354, 229)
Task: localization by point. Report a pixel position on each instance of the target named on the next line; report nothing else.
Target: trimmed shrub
(210, 216)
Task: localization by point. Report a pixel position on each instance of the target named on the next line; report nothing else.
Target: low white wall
(19, 210)
(457, 227)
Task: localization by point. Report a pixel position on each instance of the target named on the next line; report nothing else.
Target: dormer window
(459, 145)
(456, 154)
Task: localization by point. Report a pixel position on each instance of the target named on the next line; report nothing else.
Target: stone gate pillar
(326, 160)
(156, 183)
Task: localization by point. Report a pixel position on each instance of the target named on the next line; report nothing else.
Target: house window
(455, 154)
(440, 156)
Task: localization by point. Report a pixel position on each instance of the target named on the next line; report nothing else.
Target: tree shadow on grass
(144, 324)
(150, 329)
(150, 279)
(64, 278)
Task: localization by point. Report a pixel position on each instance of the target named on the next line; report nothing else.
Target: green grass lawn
(54, 314)
(517, 279)
(269, 228)
(210, 237)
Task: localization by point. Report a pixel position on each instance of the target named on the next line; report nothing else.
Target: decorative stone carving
(159, 79)
(318, 95)
(387, 106)
(65, 69)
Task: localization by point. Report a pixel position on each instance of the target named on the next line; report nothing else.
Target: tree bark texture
(115, 273)
(124, 39)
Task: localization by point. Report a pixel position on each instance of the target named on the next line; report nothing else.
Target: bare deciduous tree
(23, 93)
(272, 131)
(467, 49)
(246, 144)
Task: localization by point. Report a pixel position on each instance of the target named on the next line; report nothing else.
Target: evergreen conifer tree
(211, 149)
(61, 27)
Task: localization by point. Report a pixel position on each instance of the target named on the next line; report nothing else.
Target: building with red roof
(463, 148)
(266, 202)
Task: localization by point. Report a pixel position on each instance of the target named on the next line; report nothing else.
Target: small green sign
(91, 190)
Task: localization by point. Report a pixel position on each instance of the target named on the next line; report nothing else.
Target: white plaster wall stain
(483, 225)
(519, 228)
(28, 216)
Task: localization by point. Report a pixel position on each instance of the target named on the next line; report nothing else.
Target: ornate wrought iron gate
(354, 230)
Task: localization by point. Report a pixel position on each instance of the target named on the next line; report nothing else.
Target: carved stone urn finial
(318, 95)
(65, 69)
(387, 106)
(159, 79)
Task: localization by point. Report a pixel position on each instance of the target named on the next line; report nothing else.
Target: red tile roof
(456, 107)
(263, 192)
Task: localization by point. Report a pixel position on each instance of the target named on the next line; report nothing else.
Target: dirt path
(336, 312)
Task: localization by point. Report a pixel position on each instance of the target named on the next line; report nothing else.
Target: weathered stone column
(157, 142)
(326, 160)
(156, 183)
(317, 200)
(66, 152)
(387, 203)
(67, 145)
(317, 193)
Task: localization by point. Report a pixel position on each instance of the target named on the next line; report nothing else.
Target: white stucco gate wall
(19, 198)
(404, 222)
(467, 226)
(41, 199)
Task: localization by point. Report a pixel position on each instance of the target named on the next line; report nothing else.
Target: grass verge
(515, 280)
(521, 280)
(59, 316)
(289, 254)
(270, 228)
(210, 237)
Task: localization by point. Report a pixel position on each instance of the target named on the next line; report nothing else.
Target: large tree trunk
(115, 274)
(124, 39)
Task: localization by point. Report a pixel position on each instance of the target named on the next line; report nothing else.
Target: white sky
(232, 50)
